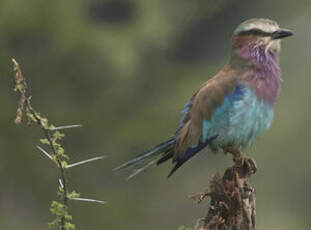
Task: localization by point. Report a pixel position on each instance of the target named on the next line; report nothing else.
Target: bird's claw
(250, 165)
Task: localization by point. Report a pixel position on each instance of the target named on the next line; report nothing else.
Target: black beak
(281, 33)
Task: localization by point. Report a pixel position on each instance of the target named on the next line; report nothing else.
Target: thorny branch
(57, 155)
(25, 105)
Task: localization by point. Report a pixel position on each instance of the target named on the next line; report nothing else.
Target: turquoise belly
(239, 120)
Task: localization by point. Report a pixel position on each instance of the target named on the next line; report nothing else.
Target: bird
(230, 110)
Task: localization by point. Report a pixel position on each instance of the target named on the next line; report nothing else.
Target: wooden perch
(232, 204)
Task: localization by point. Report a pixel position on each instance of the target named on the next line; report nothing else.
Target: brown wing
(205, 100)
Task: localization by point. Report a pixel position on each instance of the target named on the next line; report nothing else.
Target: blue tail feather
(149, 155)
(190, 153)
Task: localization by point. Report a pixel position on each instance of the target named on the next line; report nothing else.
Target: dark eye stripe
(256, 32)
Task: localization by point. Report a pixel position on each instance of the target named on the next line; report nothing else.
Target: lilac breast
(263, 73)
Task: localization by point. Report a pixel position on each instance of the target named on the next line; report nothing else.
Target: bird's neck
(260, 68)
(248, 51)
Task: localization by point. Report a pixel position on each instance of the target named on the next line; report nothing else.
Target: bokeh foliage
(124, 69)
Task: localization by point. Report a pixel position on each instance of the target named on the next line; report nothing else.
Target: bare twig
(199, 197)
(21, 86)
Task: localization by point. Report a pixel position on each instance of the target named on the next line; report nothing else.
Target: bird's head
(254, 34)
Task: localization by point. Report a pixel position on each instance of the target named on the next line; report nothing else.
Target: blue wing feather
(184, 117)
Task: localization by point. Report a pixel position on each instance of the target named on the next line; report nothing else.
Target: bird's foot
(250, 165)
(236, 153)
(240, 161)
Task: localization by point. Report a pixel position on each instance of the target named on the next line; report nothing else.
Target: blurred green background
(124, 69)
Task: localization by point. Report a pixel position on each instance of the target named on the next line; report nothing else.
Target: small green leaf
(58, 135)
(60, 150)
(73, 194)
(61, 212)
(69, 226)
(31, 116)
(64, 164)
(53, 224)
(44, 122)
(45, 141)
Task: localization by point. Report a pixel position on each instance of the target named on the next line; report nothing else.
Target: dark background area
(124, 69)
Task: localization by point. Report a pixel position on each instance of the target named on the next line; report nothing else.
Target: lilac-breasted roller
(231, 109)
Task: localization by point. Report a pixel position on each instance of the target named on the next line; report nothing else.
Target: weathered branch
(232, 198)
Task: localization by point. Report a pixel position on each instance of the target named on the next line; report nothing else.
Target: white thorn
(84, 162)
(65, 127)
(45, 153)
(60, 183)
(89, 200)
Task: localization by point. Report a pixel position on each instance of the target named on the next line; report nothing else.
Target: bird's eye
(256, 32)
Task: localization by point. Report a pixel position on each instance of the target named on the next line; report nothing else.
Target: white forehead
(265, 25)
